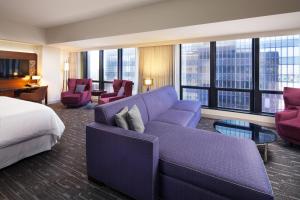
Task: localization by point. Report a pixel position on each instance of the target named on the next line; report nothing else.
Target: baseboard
(53, 102)
(258, 119)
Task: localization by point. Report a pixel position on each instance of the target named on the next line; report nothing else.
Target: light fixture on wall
(66, 74)
(148, 82)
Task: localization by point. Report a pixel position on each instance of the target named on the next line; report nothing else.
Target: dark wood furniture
(15, 92)
(37, 95)
(13, 87)
(98, 93)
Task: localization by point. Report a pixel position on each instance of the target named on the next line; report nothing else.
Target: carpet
(61, 173)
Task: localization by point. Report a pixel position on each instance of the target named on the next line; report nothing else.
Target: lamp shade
(36, 77)
(67, 66)
(148, 81)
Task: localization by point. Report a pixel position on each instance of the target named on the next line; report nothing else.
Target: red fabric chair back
(117, 84)
(128, 87)
(291, 98)
(71, 85)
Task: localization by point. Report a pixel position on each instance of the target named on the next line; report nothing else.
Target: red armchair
(123, 85)
(71, 98)
(288, 121)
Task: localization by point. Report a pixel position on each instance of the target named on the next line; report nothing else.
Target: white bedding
(22, 120)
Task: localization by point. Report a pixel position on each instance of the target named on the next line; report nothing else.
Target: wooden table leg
(46, 97)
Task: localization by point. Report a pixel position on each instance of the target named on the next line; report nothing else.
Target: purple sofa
(172, 159)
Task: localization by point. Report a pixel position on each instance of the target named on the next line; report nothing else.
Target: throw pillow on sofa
(135, 120)
(79, 88)
(121, 92)
(121, 120)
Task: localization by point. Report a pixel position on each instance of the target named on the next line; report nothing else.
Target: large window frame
(101, 80)
(255, 92)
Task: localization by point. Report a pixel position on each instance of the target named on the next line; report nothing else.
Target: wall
(52, 71)
(166, 15)
(21, 33)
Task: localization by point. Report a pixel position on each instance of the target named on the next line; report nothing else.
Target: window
(279, 61)
(234, 100)
(244, 74)
(93, 68)
(104, 66)
(129, 67)
(195, 95)
(195, 71)
(234, 72)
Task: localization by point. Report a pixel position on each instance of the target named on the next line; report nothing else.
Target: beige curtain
(75, 63)
(156, 63)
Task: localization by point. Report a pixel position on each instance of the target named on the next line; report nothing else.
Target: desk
(15, 92)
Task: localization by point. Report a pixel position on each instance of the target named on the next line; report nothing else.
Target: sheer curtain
(75, 63)
(156, 63)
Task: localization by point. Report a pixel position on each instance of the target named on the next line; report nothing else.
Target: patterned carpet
(61, 173)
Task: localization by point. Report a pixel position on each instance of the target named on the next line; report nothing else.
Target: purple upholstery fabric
(192, 106)
(178, 117)
(227, 166)
(193, 164)
(195, 120)
(123, 159)
(172, 188)
(105, 113)
(159, 100)
(287, 121)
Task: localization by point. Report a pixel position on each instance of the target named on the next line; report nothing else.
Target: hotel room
(150, 99)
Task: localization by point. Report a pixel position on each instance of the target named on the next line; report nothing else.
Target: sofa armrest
(122, 159)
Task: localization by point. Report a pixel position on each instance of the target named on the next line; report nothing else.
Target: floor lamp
(66, 75)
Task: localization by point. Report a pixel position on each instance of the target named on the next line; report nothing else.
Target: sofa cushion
(160, 100)
(193, 106)
(178, 117)
(227, 166)
(104, 113)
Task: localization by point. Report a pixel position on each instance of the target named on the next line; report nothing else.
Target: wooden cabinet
(7, 93)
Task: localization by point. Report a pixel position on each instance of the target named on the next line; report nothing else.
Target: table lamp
(36, 78)
(148, 82)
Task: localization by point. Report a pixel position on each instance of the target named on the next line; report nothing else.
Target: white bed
(26, 128)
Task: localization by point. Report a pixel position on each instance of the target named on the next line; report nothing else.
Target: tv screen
(13, 68)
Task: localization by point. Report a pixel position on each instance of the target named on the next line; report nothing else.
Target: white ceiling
(252, 27)
(49, 13)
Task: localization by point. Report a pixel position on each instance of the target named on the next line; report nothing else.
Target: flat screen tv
(13, 68)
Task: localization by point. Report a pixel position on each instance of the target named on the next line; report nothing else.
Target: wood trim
(18, 55)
